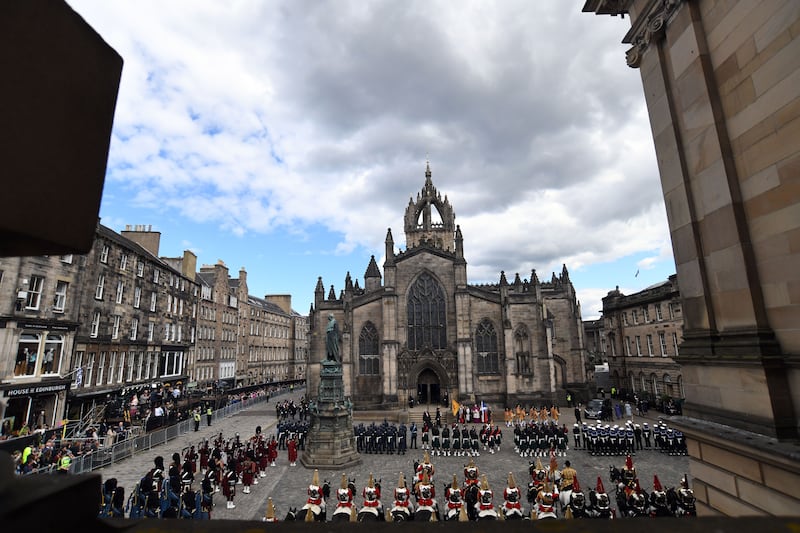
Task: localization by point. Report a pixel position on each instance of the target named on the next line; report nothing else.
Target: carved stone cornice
(650, 26)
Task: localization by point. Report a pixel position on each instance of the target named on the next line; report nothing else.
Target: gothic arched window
(368, 350)
(486, 346)
(522, 351)
(427, 323)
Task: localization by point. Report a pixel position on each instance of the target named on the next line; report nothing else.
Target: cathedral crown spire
(430, 220)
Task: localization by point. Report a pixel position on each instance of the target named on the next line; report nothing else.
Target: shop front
(27, 407)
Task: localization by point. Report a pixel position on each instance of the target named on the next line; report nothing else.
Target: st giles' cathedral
(423, 331)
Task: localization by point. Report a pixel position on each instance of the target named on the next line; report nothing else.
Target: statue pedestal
(331, 441)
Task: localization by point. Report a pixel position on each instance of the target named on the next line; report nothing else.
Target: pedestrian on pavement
(578, 413)
(208, 414)
(196, 419)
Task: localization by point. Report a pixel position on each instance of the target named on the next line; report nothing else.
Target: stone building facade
(640, 337)
(217, 327)
(137, 318)
(721, 85)
(420, 331)
(39, 318)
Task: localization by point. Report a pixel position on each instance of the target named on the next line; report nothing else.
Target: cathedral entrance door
(428, 387)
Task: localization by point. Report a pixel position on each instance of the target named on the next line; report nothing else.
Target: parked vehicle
(593, 409)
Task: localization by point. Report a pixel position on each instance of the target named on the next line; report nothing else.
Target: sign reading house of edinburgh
(36, 389)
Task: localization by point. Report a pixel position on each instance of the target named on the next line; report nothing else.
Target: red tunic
(292, 451)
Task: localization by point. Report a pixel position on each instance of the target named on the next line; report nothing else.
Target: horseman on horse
(545, 502)
(512, 506)
(454, 496)
(599, 502)
(659, 506)
(538, 475)
(372, 509)
(427, 507)
(576, 506)
(402, 509)
(485, 507)
(471, 488)
(682, 500)
(345, 510)
(314, 509)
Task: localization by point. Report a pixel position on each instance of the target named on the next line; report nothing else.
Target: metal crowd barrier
(127, 448)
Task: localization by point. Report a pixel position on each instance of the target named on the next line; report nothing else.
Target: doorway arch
(429, 387)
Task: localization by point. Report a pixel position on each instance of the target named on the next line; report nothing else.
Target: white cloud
(273, 116)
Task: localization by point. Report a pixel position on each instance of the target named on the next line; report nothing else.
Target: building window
(101, 364)
(646, 315)
(150, 331)
(98, 292)
(663, 342)
(650, 345)
(522, 351)
(153, 301)
(66, 259)
(104, 254)
(625, 318)
(134, 328)
(635, 316)
(675, 342)
(53, 354)
(368, 351)
(121, 369)
(95, 328)
(427, 322)
(27, 354)
(123, 262)
(155, 275)
(638, 346)
(112, 366)
(137, 297)
(140, 268)
(659, 315)
(120, 291)
(60, 300)
(628, 346)
(486, 347)
(115, 327)
(34, 297)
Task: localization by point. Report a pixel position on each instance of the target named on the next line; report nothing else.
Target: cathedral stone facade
(422, 331)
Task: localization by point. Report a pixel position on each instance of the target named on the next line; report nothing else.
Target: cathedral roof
(372, 269)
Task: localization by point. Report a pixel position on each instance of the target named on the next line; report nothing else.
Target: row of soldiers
(288, 430)
(603, 439)
(461, 442)
(383, 438)
(537, 439)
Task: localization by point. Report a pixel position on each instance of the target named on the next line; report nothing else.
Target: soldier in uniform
(646, 434)
(436, 441)
(229, 480)
(401, 439)
(446, 440)
(414, 435)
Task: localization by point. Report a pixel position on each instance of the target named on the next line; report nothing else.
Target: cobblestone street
(287, 485)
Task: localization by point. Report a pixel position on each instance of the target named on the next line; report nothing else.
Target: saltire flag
(455, 406)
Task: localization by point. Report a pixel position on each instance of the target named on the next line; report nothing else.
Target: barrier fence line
(104, 457)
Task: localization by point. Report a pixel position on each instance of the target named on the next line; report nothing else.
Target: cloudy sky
(285, 137)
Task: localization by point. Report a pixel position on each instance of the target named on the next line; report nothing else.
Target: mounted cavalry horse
(427, 507)
(658, 504)
(681, 500)
(538, 475)
(372, 508)
(485, 508)
(314, 509)
(471, 489)
(599, 503)
(576, 507)
(402, 509)
(345, 510)
(454, 496)
(512, 506)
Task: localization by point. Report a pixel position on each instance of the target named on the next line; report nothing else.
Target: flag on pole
(455, 406)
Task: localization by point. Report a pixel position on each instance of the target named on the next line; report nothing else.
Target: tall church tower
(430, 220)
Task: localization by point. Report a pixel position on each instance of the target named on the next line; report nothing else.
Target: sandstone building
(721, 85)
(420, 330)
(640, 338)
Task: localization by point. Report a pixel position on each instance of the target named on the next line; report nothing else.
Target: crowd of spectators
(47, 449)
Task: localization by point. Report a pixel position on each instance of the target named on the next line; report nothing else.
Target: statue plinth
(331, 441)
